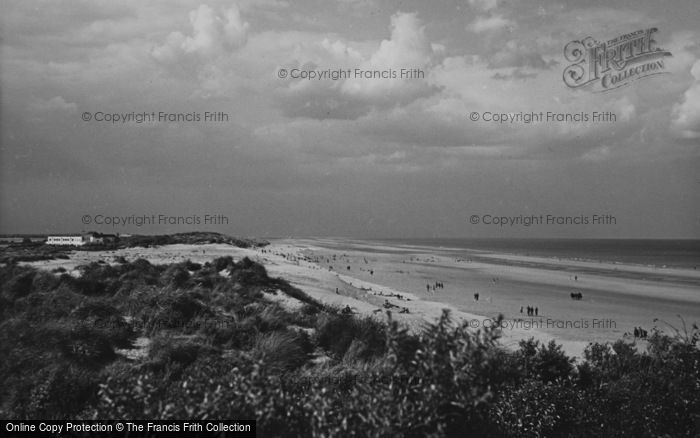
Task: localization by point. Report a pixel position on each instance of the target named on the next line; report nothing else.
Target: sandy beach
(372, 277)
(616, 297)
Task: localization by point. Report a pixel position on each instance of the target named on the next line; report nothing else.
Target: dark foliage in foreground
(220, 348)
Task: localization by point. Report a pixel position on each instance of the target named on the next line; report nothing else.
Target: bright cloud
(686, 115)
(213, 33)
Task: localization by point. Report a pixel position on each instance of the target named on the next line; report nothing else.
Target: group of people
(393, 295)
(434, 287)
(576, 296)
(531, 311)
(640, 333)
(389, 305)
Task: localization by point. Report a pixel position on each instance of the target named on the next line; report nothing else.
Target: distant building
(65, 240)
(103, 238)
(91, 238)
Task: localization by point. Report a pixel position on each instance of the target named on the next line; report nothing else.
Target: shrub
(141, 271)
(90, 346)
(225, 332)
(171, 310)
(19, 285)
(168, 351)
(271, 318)
(281, 350)
(175, 276)
(535, 408)
(108, 321)
(336, 332)
(248, 273)
(546, 362)
(221, 263)
(192, 266)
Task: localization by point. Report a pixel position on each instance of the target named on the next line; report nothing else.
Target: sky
(355, 156)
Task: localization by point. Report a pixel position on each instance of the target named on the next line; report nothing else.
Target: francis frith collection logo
(612, 64)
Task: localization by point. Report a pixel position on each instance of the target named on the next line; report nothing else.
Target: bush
(171, 310)
(336, 332)
(192, 266)
(166, 351)
(248, 273)
(535, 408)
(19, 285)
(221, 263)
(108, 320)
(281, 350)
(225, 332)
(175, 276)
(545, 362)
(270, 318)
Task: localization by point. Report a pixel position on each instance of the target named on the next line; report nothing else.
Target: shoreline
(623, 296)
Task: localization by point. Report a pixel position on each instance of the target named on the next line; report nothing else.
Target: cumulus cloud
(213, 33)
(408, 48)
(408, 45)
(349, 98)
(686, 114)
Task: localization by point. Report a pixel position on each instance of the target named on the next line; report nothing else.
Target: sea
(670, 253)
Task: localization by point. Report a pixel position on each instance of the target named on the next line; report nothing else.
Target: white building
(65, 240)
(93, 238)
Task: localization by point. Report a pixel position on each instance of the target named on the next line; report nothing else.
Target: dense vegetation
(192, 238)
(33, 250)
(220, 348)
